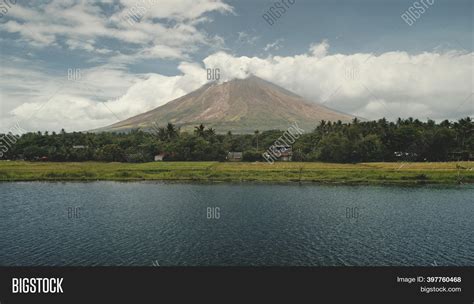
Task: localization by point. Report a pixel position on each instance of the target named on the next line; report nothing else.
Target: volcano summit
(239, 105)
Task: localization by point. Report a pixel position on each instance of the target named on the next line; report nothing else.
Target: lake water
(111, 223)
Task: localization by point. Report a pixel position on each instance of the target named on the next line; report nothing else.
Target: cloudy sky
(85, 64)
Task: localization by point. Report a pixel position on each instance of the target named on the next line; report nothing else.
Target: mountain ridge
(238, 105)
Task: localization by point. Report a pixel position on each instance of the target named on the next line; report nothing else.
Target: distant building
(234, 156)
(286, 152)
(405, 154)
(461, 155)
(79, 147)
(278, 153)
(159, 157)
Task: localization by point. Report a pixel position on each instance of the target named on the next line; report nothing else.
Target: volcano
(240, 105)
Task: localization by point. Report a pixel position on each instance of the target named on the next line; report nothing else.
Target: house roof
(235, 154)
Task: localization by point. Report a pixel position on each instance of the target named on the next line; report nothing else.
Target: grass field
(363, 173)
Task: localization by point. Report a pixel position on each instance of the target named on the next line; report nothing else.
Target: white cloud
(319, 49)
(427, 85)
(168, 29)
(246, 38)
(41, 101)
(83, 24)
(101, 97)
(180, 10)
(276, 45)
(434, 85)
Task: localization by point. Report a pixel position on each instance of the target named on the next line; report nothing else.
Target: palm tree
(199, 131)
(155, 129)
(464, 128)
(171, 131)
(162, 135)
(399, 122)
(210, 132)
(256, 135)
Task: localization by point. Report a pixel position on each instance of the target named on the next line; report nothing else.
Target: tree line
(359, 141)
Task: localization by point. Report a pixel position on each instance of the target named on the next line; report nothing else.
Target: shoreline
(231, 182)
(404, 174)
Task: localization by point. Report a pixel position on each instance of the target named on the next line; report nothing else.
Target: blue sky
(422, 70)
(351, 26)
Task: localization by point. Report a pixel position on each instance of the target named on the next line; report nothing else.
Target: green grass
(363, 173)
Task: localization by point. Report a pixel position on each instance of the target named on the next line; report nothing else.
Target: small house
(286, 152)
(159, 157)
(234, 156)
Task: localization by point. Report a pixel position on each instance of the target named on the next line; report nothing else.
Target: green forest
(359, 141)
